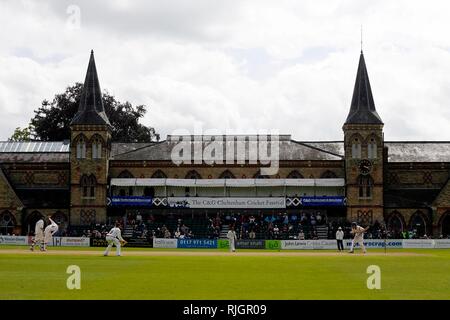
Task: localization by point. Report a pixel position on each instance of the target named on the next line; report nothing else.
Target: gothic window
(372, 149)
(356, 148)
(365, 186)
(88, 184)
(96, 148)
(193, 175)
(7, 223)
(227, 174)
(81, 148)
(125, 174)
(158, 174)
(328, 175)
(295, 175)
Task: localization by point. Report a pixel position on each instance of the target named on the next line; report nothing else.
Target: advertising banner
(418, 243)
(98, 242)
(273, 244)
(14, 240)
(250, 244)
(70, 242)
(376, 243)
(129, 201)
(197, 243)
(308, 244)
(240, 203)
(324, 201)
(223, 244)
(442, 243)
(165, 243)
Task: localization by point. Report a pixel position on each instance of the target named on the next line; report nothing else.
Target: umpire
(340, 239)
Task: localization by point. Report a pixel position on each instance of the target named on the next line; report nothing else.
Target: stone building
(91, 179)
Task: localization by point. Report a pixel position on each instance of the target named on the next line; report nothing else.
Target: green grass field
(425, 275)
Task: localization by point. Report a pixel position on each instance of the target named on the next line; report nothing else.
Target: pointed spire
(90, 110)
(362, 109)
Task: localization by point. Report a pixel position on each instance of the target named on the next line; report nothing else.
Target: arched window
(395, 223)
(7, 223)
(96, 148)
(372, 149)
(88, 186)
(227, 174)
(328, 175)
(365, 184)
(81, 148)
(193, 175)
(125, 174)
(158, 174)
(356, 148)
(418, 223)
(295, 175)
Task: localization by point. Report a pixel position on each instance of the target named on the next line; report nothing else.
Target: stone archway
(419, 224)
(31, 220)
(395, 224)
(444, 225)
(7, 223)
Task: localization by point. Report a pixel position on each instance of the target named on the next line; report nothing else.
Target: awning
(218, 183)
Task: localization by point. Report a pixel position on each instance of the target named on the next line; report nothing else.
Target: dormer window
(356, 149)
(81, 148)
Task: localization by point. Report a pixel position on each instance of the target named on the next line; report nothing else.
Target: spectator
(276, 232)
(301, 235)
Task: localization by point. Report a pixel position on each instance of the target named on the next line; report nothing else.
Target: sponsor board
(71, 241)
(308, 244)
(14, 240)
(442, 243)
(197, 243)
(376, 243)
(98, 242)
(223, 244)
(205, 202)
(273, 244)
(165, 243)
(322, 201)
(250, 244)
(418, 243)
(129, 201)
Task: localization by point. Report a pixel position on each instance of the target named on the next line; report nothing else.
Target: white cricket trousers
(232, 245)
(112, 241)
(361, 243)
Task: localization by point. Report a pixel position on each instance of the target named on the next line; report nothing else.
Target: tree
(21, 134)
(51, 121)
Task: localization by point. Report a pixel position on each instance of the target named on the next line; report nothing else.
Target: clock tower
(363, 144)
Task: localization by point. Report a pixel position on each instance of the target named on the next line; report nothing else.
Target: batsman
(358, 231)
(114, 237)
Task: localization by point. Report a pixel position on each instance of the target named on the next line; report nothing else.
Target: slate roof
(409, 198)
(91, 110)
(362, 109)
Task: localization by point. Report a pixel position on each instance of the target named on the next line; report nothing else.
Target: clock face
(365, 166)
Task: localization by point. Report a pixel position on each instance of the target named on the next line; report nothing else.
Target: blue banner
(129, 201)
(197, 243)
(322, 201)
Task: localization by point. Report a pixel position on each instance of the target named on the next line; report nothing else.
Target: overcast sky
(245, 66)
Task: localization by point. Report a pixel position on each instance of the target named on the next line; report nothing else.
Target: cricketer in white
(114, 236)
(358, 231)
(38, 235)
(231, 235)
(49, 231)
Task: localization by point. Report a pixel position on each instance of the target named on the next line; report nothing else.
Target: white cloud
(241, 65)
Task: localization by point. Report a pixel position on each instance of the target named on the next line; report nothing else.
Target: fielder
(358, 231)
(231, 235)
(38, 235)
(49, 231)
(114, 236)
